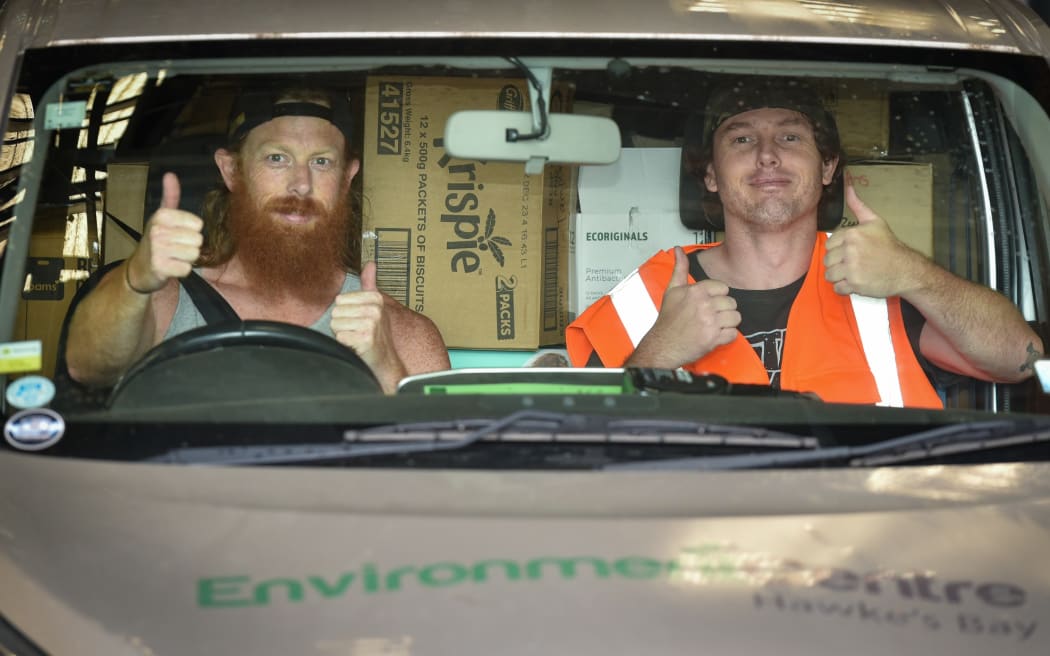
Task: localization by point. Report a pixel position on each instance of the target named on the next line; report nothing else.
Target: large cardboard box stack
(628, 212)
(479, 247)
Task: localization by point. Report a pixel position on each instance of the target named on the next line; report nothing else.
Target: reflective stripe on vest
(873, 323)
(638, 313)
(634, 305)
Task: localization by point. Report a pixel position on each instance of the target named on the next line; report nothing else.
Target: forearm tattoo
(1033, 355)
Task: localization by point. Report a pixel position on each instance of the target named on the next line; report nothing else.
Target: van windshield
(477, 199)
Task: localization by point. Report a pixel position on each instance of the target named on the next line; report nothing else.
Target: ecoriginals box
(479, 247)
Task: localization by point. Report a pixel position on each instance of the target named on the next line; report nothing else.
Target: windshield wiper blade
(944, 440)
(980, 440)
(266, 454)
(520, 426)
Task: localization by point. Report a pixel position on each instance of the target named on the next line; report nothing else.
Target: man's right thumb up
(680, 275)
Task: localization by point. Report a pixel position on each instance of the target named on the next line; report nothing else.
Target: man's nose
(299, 182)
(768, 153)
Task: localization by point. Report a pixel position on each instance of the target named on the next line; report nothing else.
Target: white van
(247, 488)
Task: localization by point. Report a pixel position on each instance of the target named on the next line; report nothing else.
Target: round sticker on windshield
(34, 429)
(30, 392)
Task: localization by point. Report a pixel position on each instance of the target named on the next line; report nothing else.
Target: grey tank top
(187, 317)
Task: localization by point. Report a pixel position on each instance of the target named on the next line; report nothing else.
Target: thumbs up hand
(170, 244)
(362, 320)
(866, 258)
(694, 319)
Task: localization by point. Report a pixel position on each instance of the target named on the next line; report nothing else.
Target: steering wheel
(243, 361)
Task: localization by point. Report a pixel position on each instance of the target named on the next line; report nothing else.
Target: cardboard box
(902, 194)
(862, 114)
(479, 247)
(52, 278)
(628, 212)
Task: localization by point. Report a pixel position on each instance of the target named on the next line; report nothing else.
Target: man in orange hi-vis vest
(850, 315)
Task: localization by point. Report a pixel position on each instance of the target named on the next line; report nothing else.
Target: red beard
(284, 260)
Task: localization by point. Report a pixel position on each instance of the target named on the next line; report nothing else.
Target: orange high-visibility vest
(846, 349)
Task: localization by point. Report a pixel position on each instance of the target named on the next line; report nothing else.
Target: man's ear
(351, 170)
(227, 164)
(828, 170)
(709, 179)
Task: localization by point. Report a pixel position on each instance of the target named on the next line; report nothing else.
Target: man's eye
(792, 137)
(742, 139)
(275, 158)
(323, 162)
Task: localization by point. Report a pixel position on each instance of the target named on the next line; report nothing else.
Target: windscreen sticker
(34, 429)
(913, 601)
(21, 356)
(62, 115)
(30, 392)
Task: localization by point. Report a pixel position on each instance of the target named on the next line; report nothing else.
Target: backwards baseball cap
(702, 209)
(253, 107)
(748, 93)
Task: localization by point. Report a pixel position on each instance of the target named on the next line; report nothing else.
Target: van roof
(957, 24)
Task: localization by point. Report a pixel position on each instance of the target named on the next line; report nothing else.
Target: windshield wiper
(941, 441)
(523, 426)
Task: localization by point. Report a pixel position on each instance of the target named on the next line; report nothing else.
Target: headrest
(701, 209)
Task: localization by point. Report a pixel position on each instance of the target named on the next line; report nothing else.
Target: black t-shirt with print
(763, 322)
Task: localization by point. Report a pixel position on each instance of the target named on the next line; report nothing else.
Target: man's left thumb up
(863, 213)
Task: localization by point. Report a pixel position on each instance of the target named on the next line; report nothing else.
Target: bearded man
(275, 243)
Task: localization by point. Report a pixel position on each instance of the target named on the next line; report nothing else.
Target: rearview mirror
(570, 139)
